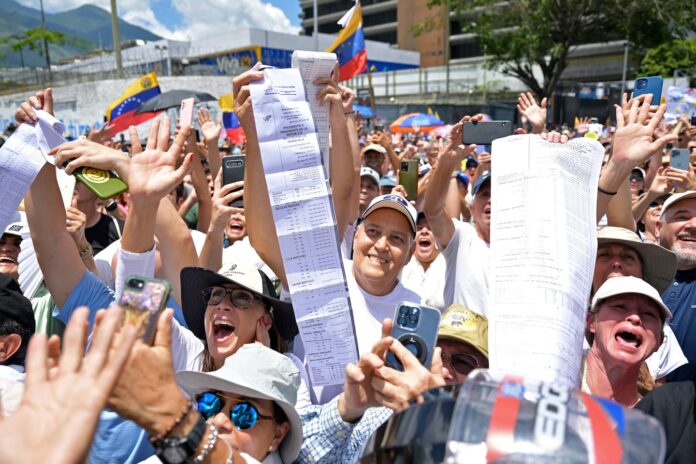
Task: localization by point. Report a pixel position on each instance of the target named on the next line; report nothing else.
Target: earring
(270, 448)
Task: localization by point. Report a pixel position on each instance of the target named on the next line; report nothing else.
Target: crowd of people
(226, 377)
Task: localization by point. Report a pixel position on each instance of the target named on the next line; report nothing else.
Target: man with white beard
(676, 230)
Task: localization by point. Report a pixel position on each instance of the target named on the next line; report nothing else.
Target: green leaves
(670, 56)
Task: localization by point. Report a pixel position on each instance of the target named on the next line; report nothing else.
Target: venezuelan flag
(349, 46)
(230, 121)
(120, 113)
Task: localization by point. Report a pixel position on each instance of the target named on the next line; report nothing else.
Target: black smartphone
(408, 177)
(198, 135)
(484, 132)
(415, 326)
(693, 120)
(379, 127)
(143, 299)
(233, 171)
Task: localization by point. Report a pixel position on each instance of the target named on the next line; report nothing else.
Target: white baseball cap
(676, 198)
(624, 285)
(395, 202)
(371, 173)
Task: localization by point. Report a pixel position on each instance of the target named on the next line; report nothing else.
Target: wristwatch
(178, 450)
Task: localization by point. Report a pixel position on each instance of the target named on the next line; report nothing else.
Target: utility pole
(315, 21)
(447, 49)
(117, 39)
(45, 43)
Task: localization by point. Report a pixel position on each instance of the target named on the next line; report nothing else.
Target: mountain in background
(87, 22)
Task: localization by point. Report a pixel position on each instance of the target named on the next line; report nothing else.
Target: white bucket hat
(627, 284)
(255, 371)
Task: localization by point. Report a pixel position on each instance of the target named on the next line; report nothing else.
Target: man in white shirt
(466, 248)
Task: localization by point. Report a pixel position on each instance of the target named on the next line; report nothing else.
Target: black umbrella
(172, 99)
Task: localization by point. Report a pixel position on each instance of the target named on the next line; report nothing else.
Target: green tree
(33, 39)
(668, 57)
(518, 35)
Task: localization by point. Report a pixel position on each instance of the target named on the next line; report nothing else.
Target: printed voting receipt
(305, 223)
(543, 248)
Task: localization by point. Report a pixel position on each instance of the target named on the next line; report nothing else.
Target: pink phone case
(186, 113)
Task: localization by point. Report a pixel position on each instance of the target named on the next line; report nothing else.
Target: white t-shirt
(429, 284)
(347, 243)
(467, 258)
(368, 313)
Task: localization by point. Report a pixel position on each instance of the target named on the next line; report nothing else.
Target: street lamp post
(117, 39)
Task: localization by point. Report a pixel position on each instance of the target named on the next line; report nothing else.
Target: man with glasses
(463, 338)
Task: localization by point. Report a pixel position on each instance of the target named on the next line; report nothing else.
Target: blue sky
(194, 19)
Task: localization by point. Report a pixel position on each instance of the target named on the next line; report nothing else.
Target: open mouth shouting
(223, 329)
(6, 259)
(629, 339)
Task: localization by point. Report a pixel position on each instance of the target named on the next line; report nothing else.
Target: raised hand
(348, 98)
(242, 98)
(223, 195)
(455, 151)
(42, 100)
(210, 130)
(65, 392)
(633, 140)
(83, 152)
(535, 114)
(101, 135)
(153, 172)
(330, 93)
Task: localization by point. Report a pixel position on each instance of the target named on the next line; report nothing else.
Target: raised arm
(257, 206)
(56, 251)
(633, 144)
(211, 135)
(344, 170)
(211, 254)
(434, 204)
(353, 203)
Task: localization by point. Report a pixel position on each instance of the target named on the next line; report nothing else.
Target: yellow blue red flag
(230, 122)
(120, 114)
(349, 46)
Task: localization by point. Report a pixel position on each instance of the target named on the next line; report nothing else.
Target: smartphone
(693, 120)
(104, 184)
(233, 171)
(679, 158)
(648, 85)
(408, 177)
(198, 135)
(484, 132)
(143, 299)
(415, 326)
(186, 112)
(379, 127)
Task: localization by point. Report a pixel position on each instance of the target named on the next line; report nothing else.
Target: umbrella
(415, 122)
(172, 99)
(365, 111)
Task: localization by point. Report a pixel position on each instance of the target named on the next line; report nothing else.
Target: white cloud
(200, 18)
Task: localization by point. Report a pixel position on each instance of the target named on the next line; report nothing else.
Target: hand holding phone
(143, 299)
(408, 177)
(186, 112)
(648, 85)
(679, 158)
(415, 327)
(484, 132)
(233, 171)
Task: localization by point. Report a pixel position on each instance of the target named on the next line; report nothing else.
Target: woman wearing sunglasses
(255, 412)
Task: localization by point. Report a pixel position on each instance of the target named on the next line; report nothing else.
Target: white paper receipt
(305, 223)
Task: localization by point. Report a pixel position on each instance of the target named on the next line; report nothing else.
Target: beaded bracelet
(168, 430)
(209, 445)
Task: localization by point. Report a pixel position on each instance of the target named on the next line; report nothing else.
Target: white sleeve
(668, 357)
(128, 264)
(187, 349)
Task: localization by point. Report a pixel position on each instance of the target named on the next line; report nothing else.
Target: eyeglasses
(240, 298)
(243, 415)
(463, 363)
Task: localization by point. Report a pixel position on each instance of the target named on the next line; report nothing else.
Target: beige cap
(659, 264)
(624, 285)
(375, 147)
(675, 198)
(461, 324)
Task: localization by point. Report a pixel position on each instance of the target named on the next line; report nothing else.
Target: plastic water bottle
(516, 421)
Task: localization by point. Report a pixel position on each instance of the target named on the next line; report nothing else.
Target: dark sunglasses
(243, 415)
(463, 363)
(240, 298)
